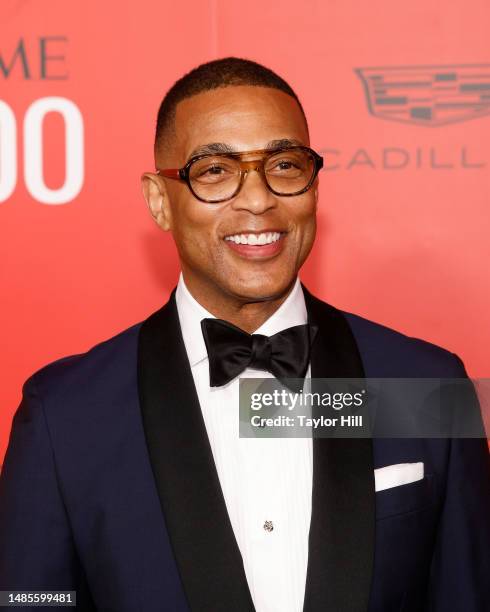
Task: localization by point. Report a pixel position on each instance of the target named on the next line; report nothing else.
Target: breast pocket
(405, 498)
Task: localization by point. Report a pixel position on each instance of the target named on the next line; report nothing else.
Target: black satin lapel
(202, 537)
(341, 539)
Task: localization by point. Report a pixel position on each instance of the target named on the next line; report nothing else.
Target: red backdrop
(404, 219)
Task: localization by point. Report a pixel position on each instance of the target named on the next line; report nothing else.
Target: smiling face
(251, 247)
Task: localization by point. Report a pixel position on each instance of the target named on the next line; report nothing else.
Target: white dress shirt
(262, 479)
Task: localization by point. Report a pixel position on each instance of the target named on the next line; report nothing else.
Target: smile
(257, 245)
(255, 239)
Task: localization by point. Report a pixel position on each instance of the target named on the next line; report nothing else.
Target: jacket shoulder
(393, 354)
(108, 359)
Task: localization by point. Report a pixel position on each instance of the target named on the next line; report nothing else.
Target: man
(125, 478)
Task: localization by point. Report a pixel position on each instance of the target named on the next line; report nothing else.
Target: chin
(259, 289)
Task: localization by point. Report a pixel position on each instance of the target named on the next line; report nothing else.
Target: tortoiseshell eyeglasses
(217, 177)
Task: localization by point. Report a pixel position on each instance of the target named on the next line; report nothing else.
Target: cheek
(305, 222)
(303, 216)
(195, 230)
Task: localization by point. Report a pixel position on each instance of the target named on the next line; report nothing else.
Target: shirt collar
(291, 312)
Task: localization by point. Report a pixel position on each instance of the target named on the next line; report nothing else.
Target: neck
(246, 314)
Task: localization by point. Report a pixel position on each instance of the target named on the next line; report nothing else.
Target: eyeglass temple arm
(170, 173)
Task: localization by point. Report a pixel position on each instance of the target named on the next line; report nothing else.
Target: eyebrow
(222, 147)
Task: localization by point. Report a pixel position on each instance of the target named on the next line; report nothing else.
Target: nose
(254, 195)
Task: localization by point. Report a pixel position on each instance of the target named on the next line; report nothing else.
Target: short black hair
(222, 72)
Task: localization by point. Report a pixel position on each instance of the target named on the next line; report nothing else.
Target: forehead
(243, 117)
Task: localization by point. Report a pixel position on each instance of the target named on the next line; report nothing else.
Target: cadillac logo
(427, 95)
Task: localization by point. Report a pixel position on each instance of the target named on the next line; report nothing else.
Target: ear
(156, 196)
(315, 188)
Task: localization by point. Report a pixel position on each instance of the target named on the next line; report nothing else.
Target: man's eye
(213, 170)
(209, 170)
(284, 165)
(216, 170)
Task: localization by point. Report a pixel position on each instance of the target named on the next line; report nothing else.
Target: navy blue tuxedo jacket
(109, 486)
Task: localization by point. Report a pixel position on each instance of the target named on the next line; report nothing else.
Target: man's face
(245, 118)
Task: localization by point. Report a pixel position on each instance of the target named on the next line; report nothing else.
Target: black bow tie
(231, 350)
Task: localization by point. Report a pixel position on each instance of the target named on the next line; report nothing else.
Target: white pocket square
(397, 474)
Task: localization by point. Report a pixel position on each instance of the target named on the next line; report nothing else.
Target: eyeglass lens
(218, 177)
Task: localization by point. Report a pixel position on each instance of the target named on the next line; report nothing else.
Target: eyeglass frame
(182, 174)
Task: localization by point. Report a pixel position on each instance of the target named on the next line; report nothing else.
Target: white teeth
(255, 239)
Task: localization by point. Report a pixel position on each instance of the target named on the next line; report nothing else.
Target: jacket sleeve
(460, 569)
(36, 545)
